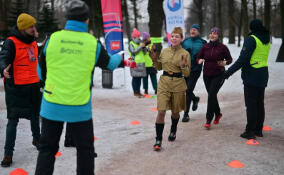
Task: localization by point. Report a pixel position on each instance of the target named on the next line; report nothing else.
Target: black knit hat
(256, 25)
(77, 10)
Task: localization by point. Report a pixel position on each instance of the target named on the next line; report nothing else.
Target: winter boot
(248, 135)
(159, 138)
(185, 117)
(172, 136)
(195, 103)
(7, 161)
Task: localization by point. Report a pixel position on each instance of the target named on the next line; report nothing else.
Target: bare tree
(254, 8)
(135, 12)
(260, 10)
(245, 18)
(96, 21)
(52, 5)
(196, 15)
(126, 19)
(231, 25)
(214, 16)
(38, 4)
(4, 6)
(197, 9)
(280, 57)
(240, 28)
(156, 19)
(28, 5)
(219, 21)
(267, 7)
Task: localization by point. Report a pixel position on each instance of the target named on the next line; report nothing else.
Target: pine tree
(47, 23)
(16, 8)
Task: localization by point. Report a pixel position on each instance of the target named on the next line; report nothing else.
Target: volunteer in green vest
(137, 55)
(67, 67)
(150, 70)
(253, 61)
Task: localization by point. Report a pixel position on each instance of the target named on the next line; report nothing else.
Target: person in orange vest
(18, 66)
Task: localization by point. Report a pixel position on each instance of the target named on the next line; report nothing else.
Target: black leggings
(191, 82)
(213, 85)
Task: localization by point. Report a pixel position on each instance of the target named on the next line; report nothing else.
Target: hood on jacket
(264, 36)
(16, 33)
(257, 29)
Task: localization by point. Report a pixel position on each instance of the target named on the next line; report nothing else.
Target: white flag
(174, 16)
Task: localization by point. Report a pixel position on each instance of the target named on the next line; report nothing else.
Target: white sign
(174, 16)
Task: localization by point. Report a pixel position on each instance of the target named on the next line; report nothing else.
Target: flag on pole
(174, 16)
(112, 20)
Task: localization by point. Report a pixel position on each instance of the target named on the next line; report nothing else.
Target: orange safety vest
(25, 62)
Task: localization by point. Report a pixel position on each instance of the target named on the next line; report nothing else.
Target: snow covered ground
(115, 108)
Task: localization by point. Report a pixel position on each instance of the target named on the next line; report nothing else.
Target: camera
(146, 42)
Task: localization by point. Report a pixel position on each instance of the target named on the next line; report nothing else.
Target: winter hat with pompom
(135, 33)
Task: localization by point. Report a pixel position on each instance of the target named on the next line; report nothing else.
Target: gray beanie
(77, 10)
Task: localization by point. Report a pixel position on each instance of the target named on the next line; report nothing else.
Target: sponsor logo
(115, 45)
(70, 51)
(174, 5)
(72, 42)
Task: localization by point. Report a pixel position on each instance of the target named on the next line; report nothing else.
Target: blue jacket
(193, 45)
(255, 77)
(66, 113)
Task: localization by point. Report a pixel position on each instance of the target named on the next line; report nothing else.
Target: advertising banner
(112, 20)
(174, 15)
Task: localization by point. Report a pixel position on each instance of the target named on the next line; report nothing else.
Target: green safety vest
(148, 60)
(139, 57)
(156, 40)
(260, 55)
(70, 60)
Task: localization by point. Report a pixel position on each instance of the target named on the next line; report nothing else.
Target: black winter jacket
(254, 77)
(22, 101)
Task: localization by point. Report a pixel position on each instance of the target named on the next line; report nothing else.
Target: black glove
(226, 75)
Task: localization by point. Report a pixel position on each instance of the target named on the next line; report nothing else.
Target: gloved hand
(129, 63)
(226, 75)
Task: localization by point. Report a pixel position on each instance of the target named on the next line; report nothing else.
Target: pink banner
(112, 19)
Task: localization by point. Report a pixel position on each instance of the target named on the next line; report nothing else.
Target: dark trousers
(254, 100)
(191, 82)
(136, 84)
(213, 85)
(83, 136)
(68, 136)
(153, 77)
(11, 132)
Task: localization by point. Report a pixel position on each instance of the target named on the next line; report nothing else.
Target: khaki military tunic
(171, 90)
